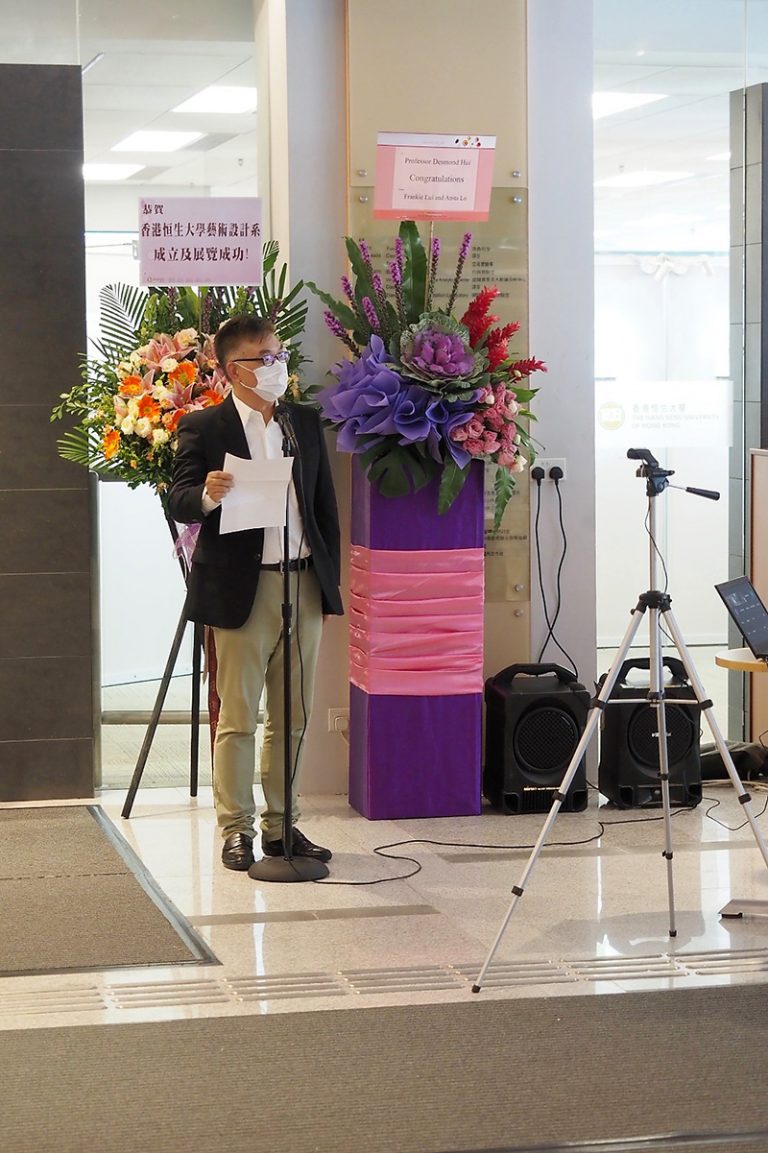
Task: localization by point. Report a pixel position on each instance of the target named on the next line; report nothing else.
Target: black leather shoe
(238, 852)
(302, 847)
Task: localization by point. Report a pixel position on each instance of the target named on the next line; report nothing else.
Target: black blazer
(225, 569)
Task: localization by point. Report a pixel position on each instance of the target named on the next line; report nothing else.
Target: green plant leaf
(503, 487)
(270, 253)
(396, 471)
(414, 272)
(122, 311)
(451, 484)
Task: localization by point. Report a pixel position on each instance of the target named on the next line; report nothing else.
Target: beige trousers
(249, 660)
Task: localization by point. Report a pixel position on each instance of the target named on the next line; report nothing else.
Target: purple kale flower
(437, 351)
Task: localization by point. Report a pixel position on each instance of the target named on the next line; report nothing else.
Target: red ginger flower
(477, 317)
(527, 366)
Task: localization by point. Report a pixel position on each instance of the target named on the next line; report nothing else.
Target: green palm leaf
(122, 311)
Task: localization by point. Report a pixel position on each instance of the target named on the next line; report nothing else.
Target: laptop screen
(748, 612)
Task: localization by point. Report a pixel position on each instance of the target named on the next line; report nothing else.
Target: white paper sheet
(257, 498)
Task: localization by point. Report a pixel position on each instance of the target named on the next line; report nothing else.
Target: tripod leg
(153, 720)
(194, 742)
(657, 698)
(706, 704)
(593, 718)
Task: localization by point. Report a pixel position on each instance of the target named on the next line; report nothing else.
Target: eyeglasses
(268, 359)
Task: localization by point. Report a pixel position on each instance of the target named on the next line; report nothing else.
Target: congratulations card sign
(433, 176)
(200, 240)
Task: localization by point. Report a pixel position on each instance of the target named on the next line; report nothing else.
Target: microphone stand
(287, 867)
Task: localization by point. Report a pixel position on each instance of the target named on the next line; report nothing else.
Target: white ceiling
(695, 52)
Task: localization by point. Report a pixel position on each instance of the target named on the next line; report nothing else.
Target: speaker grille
(545, 739)
(643, 741)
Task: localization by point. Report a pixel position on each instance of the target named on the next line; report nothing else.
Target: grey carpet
(483, 1075)
(70, 900)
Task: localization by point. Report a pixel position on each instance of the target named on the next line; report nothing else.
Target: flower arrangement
(156, 363)
(424, 393)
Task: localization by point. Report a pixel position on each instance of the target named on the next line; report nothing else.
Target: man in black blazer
(236, 585)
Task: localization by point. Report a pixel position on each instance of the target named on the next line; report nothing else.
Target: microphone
(284, 419)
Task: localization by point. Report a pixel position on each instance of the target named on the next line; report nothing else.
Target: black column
(46, 667)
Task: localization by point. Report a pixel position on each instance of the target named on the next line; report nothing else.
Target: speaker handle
(511, 671)
(675, 666)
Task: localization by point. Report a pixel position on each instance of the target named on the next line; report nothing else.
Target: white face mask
(271, 382)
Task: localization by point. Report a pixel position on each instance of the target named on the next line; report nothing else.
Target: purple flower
(437, 355)
(346, 285)
(335, 326)
(395, 273)
(361, 397)
(466, 244)
(370, 313)
(399, 253)
(365, 251)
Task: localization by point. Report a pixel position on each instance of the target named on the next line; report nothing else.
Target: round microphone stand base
(282, 869)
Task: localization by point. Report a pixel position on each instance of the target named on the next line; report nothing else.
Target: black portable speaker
(535, 717)
(628, 771)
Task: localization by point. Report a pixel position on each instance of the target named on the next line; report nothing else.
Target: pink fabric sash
(416, 621)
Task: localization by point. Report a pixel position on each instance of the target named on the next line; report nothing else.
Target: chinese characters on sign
(200, 240)
(432, 176)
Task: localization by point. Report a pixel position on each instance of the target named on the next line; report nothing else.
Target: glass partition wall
(669, 274)
(175, 104)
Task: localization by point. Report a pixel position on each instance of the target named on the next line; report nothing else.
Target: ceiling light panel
(110, 172)
(221, 99)
(151, 141)
(610, 103)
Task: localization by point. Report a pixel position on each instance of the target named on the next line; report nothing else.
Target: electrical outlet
(338, 720)
(549, 462)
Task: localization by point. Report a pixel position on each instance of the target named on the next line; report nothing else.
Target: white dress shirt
(265, 442)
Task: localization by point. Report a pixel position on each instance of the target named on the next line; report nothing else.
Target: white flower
(169, 364)
(124, 368)
(160, 436)
(135, 360)
(128, 425)
(144, 427)
(186, 337)
(160, 392)
(133, 408)
(519, 464)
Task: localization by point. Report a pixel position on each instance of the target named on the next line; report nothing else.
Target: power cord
(603, 825)
(555, 474)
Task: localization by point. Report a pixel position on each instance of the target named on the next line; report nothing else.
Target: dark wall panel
(50, 770)
(47, 746)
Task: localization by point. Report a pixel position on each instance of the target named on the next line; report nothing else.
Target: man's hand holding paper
(258, 493)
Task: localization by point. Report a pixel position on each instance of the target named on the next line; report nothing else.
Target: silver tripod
(659, 605)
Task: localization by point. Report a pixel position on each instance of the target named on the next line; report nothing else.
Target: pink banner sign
(200, 240)
(433, 176)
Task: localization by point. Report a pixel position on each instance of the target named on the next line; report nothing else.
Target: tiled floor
(594, 917)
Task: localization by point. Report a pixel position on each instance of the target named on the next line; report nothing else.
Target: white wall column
(560, 182)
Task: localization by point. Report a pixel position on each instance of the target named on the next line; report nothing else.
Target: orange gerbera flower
(110, 443)
(131, 386)
(149, 407)
(171, 419)
(210, 397)
(184, 373)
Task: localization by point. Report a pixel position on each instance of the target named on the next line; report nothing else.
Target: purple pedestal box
(414, 756)
(417, 754)
(412, 522)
